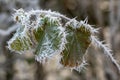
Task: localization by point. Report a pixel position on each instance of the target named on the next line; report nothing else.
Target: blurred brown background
(101, 13)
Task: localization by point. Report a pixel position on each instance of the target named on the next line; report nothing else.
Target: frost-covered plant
(47, 33)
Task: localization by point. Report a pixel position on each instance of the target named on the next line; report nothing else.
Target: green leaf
(51, 41)
(78, 40)
(26, 38)
(20, 41)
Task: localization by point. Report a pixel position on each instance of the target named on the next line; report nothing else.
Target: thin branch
(9, 30)
(51, 13)
(107, 51)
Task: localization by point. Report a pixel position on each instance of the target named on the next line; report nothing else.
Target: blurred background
(101, 13)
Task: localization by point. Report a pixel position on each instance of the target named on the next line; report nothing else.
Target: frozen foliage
(45, 33)
(7, 7)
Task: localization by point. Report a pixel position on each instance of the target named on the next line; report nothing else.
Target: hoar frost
(45, 34)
